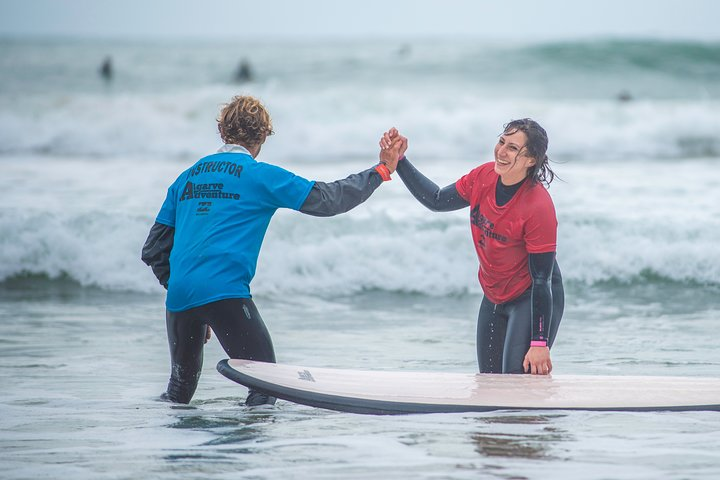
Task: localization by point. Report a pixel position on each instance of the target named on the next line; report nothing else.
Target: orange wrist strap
(384, 172)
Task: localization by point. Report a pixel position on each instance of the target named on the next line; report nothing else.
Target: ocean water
(391, 286)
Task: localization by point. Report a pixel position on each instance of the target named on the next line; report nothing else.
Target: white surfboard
(385, 392)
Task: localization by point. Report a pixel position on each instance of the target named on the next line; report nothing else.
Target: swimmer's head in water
(244, 121)
(537, 144)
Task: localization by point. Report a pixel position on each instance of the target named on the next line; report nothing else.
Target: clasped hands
(392, 148)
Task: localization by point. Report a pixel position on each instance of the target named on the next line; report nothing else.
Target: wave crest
(345, 255)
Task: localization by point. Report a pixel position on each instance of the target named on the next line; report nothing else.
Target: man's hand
(392, 148)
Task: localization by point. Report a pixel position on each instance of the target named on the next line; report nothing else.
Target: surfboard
(399, 392)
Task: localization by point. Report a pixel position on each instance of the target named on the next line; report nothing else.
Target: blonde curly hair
(244, 121)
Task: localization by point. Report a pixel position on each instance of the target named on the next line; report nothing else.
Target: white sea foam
(347, 121)
(85, 165)
(625, 223)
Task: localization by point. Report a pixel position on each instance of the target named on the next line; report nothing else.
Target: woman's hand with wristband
(537, 360)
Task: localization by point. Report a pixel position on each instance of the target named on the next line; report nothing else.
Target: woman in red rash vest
(514, 230)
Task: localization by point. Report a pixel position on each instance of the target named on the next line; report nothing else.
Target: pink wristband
(538, 343)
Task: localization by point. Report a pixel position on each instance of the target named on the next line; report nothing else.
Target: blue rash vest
(220, 209)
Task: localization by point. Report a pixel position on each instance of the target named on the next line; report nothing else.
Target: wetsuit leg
(490, 340)
(503, 335)
(242, 333)
(186, 337)
(517, 339)
(240, 329)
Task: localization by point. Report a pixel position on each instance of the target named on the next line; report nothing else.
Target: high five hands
(392, 148)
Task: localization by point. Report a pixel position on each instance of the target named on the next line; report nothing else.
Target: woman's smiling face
(511, 158)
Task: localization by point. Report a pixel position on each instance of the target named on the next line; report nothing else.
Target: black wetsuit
(504, 331)
(236, 321)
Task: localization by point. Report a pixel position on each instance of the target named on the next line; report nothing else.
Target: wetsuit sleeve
(428, 193)
(156, 251)
(340, 196)
(541, 267)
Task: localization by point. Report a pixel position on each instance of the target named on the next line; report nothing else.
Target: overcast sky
(280, 19)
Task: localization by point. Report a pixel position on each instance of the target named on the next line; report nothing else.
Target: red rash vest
(504, 236)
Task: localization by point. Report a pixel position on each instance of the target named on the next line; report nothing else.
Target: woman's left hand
(537, 361)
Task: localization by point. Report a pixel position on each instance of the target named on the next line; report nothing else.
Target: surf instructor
(206, 239)
(514, 230)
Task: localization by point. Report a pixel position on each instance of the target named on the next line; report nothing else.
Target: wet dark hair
(537, 144)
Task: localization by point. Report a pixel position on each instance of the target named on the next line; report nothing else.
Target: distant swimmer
(404, 50)
(514, 231)
(624, 96)
(106, 69)
(244, 72)
(205, 242)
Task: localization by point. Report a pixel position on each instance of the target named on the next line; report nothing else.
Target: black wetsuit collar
(504, 193)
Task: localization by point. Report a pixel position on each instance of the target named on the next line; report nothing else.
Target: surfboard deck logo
(405, 392)
(306, 375)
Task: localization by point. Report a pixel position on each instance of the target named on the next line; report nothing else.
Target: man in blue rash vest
(205, 242)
